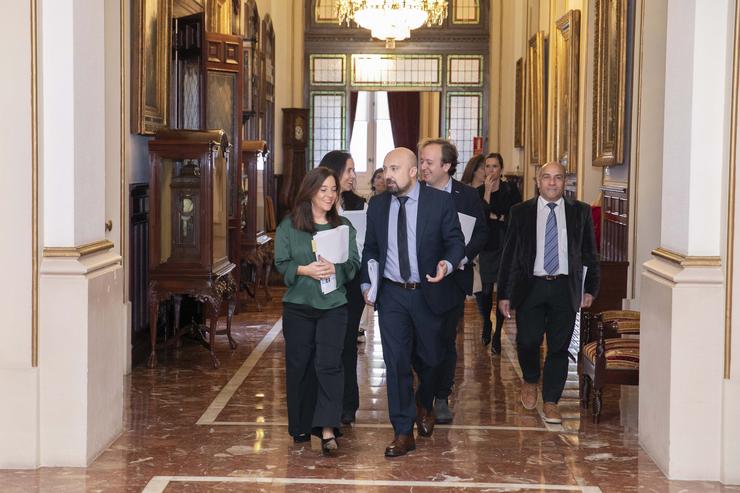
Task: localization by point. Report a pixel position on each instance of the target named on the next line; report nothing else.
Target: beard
(392, 187)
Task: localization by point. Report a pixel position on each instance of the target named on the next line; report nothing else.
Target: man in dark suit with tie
(414, 235)
(549, 243)
(438, 163)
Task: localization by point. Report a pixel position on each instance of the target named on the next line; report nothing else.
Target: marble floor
(191, 428)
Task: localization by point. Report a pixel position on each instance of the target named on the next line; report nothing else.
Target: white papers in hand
(359, 222)
(372, 272)
(583, 281)
(467, 223)
(333, 244)
(575, 341)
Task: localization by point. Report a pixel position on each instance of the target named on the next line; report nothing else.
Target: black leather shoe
(347, 418)
(442, 412)
(485, 339)
(402, 445)
(496, 347)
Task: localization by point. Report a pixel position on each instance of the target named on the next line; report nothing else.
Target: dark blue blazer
(438, 237)
(467, 201)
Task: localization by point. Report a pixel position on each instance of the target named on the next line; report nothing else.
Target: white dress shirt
(539, 260)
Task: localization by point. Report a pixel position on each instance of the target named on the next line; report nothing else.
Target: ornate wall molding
(686, 260)
(78, 251)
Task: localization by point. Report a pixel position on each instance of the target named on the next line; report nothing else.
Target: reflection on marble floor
(189, 427)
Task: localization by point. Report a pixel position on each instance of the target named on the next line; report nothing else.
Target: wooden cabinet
(189, 227)
(207, 95)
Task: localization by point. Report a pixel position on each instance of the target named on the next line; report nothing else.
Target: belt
(404, 285)
(552, 278)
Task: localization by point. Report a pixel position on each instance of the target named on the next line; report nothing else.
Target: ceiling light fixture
(392, 20)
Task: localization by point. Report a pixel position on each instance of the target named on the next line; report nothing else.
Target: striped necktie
(552, 263)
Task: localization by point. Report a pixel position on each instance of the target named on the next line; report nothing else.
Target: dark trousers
(408, 327)
(484, 300)
(313, 366)
(444, 373)
(546, 310)
(355, 306)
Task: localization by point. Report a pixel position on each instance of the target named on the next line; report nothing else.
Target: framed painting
(536, 112)
(610, 82)
(564, 90)
(150, 39)
(519, 97)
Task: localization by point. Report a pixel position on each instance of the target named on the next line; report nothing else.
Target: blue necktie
(551, 263)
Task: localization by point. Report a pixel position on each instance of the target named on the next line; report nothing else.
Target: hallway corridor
(190, 428)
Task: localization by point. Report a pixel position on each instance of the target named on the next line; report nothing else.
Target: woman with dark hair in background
(341, 163)
(475, 171)
(314, 322)
(498, 198)
(474, 175)
(377, 182)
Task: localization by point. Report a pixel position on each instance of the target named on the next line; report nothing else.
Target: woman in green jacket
(314, 323)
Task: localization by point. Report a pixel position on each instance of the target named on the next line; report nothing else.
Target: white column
(18, 378)
(681, 348)
(72, 57)
(81, 306)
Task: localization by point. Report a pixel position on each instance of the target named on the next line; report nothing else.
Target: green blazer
(293, 248)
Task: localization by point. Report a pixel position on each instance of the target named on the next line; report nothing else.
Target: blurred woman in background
(343, 166)
(498, 198)
(377, 182)
(475, 171)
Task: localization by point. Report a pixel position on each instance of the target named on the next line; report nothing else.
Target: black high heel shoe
(302, 438)
(485, 337)
(329, 446)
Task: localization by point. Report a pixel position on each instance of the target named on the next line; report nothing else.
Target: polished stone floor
(191, 428)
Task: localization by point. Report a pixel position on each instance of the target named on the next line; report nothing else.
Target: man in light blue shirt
(414, 234)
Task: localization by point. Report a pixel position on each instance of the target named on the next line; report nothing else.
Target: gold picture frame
(519, 98)
(150, 40)
(610, 82)
(536, 119)
(564, 89)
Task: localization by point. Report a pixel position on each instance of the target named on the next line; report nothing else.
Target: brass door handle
(109, 225)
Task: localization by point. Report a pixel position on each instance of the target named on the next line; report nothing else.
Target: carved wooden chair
(610, 354)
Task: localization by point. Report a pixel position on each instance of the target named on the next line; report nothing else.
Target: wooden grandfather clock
(189, 228)
(295, 138)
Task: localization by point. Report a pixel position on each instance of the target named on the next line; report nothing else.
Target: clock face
(299, 132)
(187, 205)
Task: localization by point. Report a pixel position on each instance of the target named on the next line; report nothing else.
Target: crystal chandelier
(392, 20)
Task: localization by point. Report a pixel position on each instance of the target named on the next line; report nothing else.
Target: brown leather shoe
(425, 420)
(529, 395)
(402, 445)
(552, 413)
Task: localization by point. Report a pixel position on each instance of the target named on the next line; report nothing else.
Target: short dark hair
(497, 156)
(372, 180)
(336, 161)
(474, 163)
(449, 152)
(302, 216)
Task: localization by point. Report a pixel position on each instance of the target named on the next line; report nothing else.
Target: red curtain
(404, 109)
